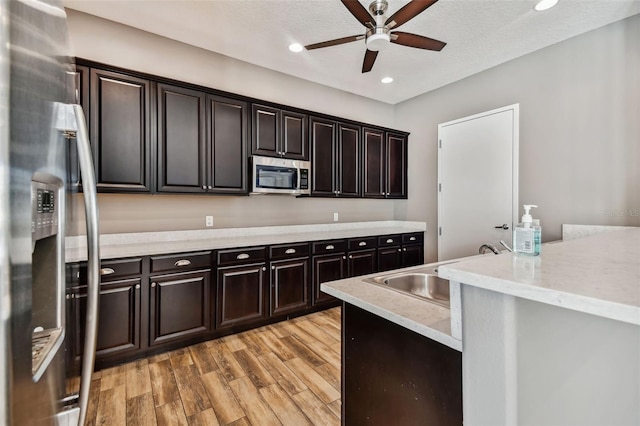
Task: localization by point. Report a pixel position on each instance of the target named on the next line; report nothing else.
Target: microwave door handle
(93, 257)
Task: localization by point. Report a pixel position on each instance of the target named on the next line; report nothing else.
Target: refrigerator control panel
(44, 212)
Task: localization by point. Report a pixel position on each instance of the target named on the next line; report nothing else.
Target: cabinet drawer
(331, 246)
(113, 269)
(414, 237)
(389, 240)
(244, 255)
(285, 251)
(180, 262)
(363, 243)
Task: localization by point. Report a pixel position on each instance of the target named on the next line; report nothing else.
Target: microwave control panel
(304, 178)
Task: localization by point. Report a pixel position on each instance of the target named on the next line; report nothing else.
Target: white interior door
(478, 181)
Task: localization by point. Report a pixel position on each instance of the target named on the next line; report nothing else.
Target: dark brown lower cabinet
(412, 255)
(289, 280)
(240, 294)
(389, 258)
(326, 268)
(180, 306)
(417, 381)
(362, 262)
(119, 318)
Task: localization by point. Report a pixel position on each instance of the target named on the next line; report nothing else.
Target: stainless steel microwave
(280, 176)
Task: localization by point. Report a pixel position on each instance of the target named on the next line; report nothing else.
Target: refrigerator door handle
(93, 256)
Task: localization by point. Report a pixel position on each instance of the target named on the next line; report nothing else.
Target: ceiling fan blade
(417, 41)
(359, 12)
(334, 42)
(369, 59)
(408, 12)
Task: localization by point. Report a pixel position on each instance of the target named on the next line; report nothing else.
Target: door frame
(514, 161)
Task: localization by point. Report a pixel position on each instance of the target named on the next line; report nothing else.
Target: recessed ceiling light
(295, 47)
(545, 4)
(386, 80)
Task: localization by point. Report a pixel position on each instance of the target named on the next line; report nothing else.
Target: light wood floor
(282, 374)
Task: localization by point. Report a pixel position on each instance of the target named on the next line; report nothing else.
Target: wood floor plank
(253, 368)
(240, 422)
(273, 342)
(302, 351)
(203, 418)
(137, 378)
(180, 358)
(337, 348)
(313, 380)
(278, 330)
(202, 358)
(222, 398)
(112, 407)
(257, 411)
(158, 357)
(315, 410)
(318, 333)
(171, 414)
(282, 374)
(254, 343)
(229, 367)
(327, 325)
(297, 331)
(163, 383)
(94, 401)
(284, 408)
(324, 352)
(141, 410)
(234, 342)
(336, 407)
(331, 374)
(194, 397)
(112, 377)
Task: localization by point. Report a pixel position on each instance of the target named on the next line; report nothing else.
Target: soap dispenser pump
(524, 234)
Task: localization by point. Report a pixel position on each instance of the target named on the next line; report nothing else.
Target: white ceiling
(479, 34)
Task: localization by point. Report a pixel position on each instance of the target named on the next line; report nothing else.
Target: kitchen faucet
(483, 249)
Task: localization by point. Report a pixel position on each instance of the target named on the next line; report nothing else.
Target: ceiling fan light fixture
(295, 47)
(378, 41)
(545, 5)
(386, 80)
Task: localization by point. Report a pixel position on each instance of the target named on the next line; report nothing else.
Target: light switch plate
(335, 217)
(209, 221)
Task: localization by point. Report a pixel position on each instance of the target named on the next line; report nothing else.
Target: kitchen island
(553, 339)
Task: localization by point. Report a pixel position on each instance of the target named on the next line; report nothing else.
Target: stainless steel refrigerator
(42, 136)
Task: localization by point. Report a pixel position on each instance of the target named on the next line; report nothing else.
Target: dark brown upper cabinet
(335, 158)
(181, 140)
(385, 164)
(120, 122)
(278, 133)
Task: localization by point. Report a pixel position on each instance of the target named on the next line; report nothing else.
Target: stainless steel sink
(423, 283)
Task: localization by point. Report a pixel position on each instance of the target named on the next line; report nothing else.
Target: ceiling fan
(378, 33)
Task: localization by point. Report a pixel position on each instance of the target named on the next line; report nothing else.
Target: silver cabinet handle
(290, 251)
(389, 241)
(68, 296)
(399, 249)
(404, 249)
(273, 268)
(350, 257)
(209, 187)
(85, 159)
(344, 257)
(412, 238)
(362, 243)
(242, 256)
(204, 187)
(329, 247)
(137, 286)
(182, 262)
(264, 268)
(153, 285)
(106, 271)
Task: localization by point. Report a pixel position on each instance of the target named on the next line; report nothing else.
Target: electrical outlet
(209, 221)
(335, 217)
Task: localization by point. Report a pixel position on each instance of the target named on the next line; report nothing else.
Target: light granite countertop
(149, 243)
(599, 274)
(425, 318)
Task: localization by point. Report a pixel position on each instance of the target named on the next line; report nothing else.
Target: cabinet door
(227, 145)
(373, 180)
(322, 155)
(294, 136)
(389, 258)
(81, 97)
(181, 140)
(348, 150)
(265, 131)
(119, 319)
(396, 168)
(412, 255)
(241, 291)
(289, 283)
(362, 262)
(120, 131)
(179, 306)
(327, 268)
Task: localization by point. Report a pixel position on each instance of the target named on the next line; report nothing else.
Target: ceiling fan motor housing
(378, 38)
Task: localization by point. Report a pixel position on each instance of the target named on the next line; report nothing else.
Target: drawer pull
(242, 256)
(362, 243)
(264, 268)
(290, 251)
(182, 262)
(412, 238)
(329, 247)
(153, 285)
(106, 271)
(390, 240)
(350, 256)
(404, 249)
(399, 249)
(344, 257)
(273, 268)
(137, 286)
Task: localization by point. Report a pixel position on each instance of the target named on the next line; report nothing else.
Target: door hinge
(440, 143)
(440, 230)
(439, 187)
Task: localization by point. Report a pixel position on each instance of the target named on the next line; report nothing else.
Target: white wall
(579, 130)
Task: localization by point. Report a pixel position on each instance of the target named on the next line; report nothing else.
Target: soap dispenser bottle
(524, 234)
